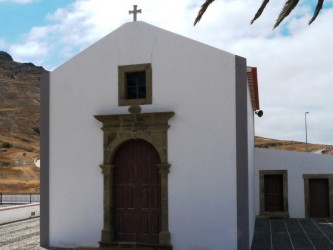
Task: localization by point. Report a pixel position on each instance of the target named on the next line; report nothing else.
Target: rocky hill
(19, 124)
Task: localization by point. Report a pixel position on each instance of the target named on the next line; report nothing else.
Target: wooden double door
(137, 196)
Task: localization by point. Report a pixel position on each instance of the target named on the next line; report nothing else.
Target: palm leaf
(202, 10)
(288, 7)
(318, 8)
(260, 10)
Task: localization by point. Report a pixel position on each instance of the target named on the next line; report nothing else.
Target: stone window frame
(285, 212)
(117, 129)
(122, 70)
(306, 178)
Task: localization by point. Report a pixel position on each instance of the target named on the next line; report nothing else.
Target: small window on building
(135, 84)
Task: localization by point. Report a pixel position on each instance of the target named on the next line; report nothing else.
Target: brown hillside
(19, 125)
(262, 142)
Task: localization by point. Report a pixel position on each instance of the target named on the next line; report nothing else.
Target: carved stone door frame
(117, 129)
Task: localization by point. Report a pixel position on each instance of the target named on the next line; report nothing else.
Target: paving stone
(316, 236)
(326, 227)
(280, 235)
(298, 234)
(262, 235)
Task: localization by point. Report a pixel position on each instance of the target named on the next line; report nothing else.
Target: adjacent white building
(293, 184)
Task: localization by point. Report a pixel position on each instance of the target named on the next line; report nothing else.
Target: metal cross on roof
(134, 12)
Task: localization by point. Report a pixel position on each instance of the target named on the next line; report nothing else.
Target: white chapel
(148, 143)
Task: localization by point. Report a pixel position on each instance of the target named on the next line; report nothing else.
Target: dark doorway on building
(273, 185)
(137, 196)
(319, 198)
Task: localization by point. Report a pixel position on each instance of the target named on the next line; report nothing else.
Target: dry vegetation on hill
(262, 142)
(19, 125)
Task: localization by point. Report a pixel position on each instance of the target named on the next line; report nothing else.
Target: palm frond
(202, 10)
(260, 10)
(288, 7)
(318, 8)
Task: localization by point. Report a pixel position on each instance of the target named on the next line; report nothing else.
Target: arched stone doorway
(137, 192)
(150, 128)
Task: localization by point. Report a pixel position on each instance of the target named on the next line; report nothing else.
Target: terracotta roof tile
(252, 80)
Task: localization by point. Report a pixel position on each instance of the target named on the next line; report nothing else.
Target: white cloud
(294, 61)
(31, 51)
(295, 76)
(35, 47)
(294, 71)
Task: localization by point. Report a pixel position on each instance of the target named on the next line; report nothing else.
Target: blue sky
(18, 18)
(294, 61)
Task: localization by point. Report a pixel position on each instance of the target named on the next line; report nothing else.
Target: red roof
(252, 80)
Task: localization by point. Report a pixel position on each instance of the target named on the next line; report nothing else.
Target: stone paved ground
(23, 235)
(277, 234)
(284, 234)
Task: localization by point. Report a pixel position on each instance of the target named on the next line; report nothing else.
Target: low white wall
(297, 164)
(18, 212)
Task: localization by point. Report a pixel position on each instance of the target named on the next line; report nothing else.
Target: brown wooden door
(137, 196)
(318, 198)
(273, 185)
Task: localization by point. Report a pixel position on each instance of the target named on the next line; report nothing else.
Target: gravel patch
(22, 235)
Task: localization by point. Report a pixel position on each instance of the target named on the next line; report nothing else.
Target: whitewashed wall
(251, 170)
(297, 164)
(195, 81)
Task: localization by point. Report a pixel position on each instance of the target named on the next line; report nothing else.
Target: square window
(135, 84)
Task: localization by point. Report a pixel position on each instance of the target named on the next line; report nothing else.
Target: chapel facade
(148, 144)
